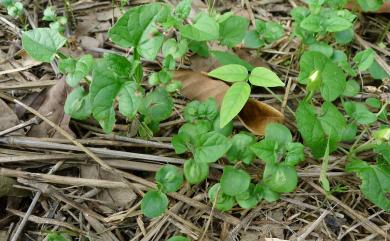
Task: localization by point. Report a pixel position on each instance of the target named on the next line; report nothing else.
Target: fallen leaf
(254, 116)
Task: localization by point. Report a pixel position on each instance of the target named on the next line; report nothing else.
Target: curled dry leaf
(254, 116)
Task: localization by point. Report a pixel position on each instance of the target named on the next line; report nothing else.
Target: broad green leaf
(364, 59)
(210, 147)
(154, 203)
(337, 24)
(345, 36)
(322, 47)
(200, 48)
(42, 44)
(225, 58)
(169, 178)
(333, 81)
(252, 40)
(341, 59)
(157, 105)
(295, 154)
(311, 129)
(312, 23)
(130, 99)
(377, 72)
(349, 132)
(383, 149)
(189, 132)
(232, 31)
(264, 77)
(248, 199)
(373, 102)
(177, 50)
(108, 76)
(195, 172)
(178, 238)
(230, 73)
(233, 101)
(78, 104)
(375, 182)
(278, 133)
(223, 202)
(204, 29)
(183, 9)
(352, 88)
(196, 110)
(280, 178)
(227, 130)
(273, 32)
(264, 192)
(240, 151)
(81, 69)
(309, 63)
(359, 112)
(370, 5)
(234, 181)
(332, 122)
(266, 150)
(382, 134)
(56, 237)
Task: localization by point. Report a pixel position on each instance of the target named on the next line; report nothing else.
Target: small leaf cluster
(14, 8)
(238, 94)
(56, 22)
(264, 33)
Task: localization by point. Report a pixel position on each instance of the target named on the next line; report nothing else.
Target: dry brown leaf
(254, 116)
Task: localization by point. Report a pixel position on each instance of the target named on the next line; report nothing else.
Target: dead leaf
(8, 118)
(254, 116)
(119, 198)
(53, 104)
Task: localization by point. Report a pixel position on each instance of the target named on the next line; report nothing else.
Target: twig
(308, 229)
(33, 121)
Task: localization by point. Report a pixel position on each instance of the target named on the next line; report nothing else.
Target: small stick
(33, 121)
(312, 226)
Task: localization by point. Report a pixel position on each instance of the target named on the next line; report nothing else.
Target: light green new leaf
(234, 181)
(312, 23)
(295, 154)
(154, 203)
(78, 104)
(169, 178)
(232, 31)
(233, 101)
(230, 73)
(204, 29)
(82, 68)
(375, 182)
(130, 99)
(42, 44)
(364, 59)
(264, 77)
(280, 178)
(210, 147)
(337, 24)
(195, 172)
(178, 238)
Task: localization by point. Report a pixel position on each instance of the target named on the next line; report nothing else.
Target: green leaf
(280, 178)
(78, 104)
(248, 199)
(81, 69)
(240, 151)
(196, 110)
(183, 9)
(233, 101)
(295, 154)
(332, 121)
(225, 58)
(345, 36)
(108, 76)
(349, 132)
(352, 88)
(266, 150)
(264, 77)
(230, 73)
(370, 5)
(210, 147)
(252, 40)
(137, 23)
(227, 130)
(311, 129)
(341, 59)
(200, 48)
(178, 238)
(234, 181)
(364, 59)
(204, 29)
(382, 134)
(223, 202)
(177, 50)
(375, 182)
(312, 23)
(195, 172)
(232, 31)
(309, 63)
(359, 112)
(273, 31)
(383, 149)
(157, 105)
(337, 24)
(154, 203)
(278, 133)
(49, 14)
(56, 237)
(322, 47)
(42, 44)
(263, 191)
(169, 178)
(333, 81)
(373, 102)
(130, 99)
(377, 72)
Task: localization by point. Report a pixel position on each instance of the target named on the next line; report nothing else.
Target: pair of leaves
(238, 94)
(138, 28)
(328, 20)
